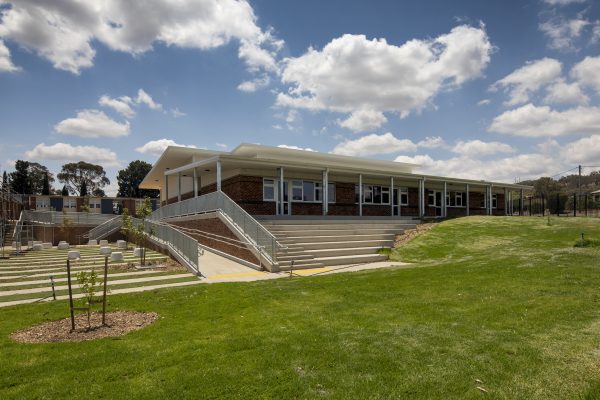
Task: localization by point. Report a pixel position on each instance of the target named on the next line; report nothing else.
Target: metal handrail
(105, 228)
(58, 217)
(252, 230)
(184, 245)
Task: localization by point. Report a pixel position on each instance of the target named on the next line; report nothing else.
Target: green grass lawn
(507, 301)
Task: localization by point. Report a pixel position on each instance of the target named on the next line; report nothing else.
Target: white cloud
(285, 146)
(145, 98)
(502, 169)
(122, 105)
(222, 146)
(157, 147)
(176, 113)
(6, 64)
(353, 73)
(585, 150)
(474, 148)
(92, 124)
(563, 2)
(563, 33)
(63, 32)
(522, 82)
(484, 102)
(562, 92)
(374, 144)
(254, 84)
(432, 142)
(587, 72)
(68, 153)
(363, 120)
(533, 121)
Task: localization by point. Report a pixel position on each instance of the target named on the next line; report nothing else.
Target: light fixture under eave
(207, 170)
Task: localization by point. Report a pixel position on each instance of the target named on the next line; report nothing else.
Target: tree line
(77, 179)
(568, 184)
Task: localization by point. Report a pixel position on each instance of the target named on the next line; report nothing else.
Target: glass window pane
(368, 193)
(297, 193)
(377, 194)
(318, 191)
(309, 191)
(331, 192)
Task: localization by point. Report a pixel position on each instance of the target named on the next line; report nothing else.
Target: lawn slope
(506, 304)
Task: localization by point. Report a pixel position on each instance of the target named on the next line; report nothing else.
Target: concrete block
(63, 246)
(37, 247)
(92, 242)
(116, 256)
(138, 252)
(73, 255)
(105, 250)
(121, 244)
(47, 245)
(103, 242)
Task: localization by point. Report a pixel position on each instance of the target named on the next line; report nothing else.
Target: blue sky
(500, 90)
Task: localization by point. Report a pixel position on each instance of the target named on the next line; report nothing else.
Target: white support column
(281, 194)
(444, 202)
(218, 174)
(467, 201)
(325, 192)
(179, 186)
(521, 204)
(360, 195)
(392, 196)
(195, 185)
(505, 201)
(489, 200)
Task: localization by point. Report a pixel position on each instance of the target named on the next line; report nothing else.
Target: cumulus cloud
(363, 120)
(374, 144)
(562, 92)
(432, 142)
(157, 147)
(563, 33)
(6, 64)
(587, 73)
(68, 153)
(92, 124)
(385, 77)
(585, 150)
(502, 169)
(563, 2)
(474, 148)
(522, 82)
(64, 32)
(176, 113)
(484, 102)
(254, 84)
(122, 105)
(145, 98)
(533, 121)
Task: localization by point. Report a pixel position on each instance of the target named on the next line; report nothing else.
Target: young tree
(142, 212)
(46, 185)
(38, 174)
(19, 179)
(73, 175)
(129, 180)
(126, 226)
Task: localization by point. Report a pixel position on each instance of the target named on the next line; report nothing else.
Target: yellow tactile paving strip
(311, 271)
(237, 275)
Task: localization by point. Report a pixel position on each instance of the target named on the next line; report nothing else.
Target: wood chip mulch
(410, 234)
(119, 323)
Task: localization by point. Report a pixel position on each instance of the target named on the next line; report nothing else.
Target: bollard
(51, 277)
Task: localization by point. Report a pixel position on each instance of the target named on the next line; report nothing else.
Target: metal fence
(106, 228)
(254, 232)
(561, 204)
(59, 218)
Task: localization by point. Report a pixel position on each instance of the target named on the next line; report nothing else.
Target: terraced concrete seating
(327, 242)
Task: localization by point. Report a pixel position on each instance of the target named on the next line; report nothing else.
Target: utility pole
(579, 187)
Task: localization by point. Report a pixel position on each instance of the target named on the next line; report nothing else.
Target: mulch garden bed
(118, 323)
(410, 234)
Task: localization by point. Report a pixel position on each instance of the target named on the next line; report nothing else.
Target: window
(431, 198)
(403, 196)
(458, 199)
(268, 189)
(69, 203)
(449, 202)
(331, 193)
(297, 190)
(494, 200)
(318, 192)
(309, 191)
(373, 194)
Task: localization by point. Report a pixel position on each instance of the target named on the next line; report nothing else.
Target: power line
(562, 173)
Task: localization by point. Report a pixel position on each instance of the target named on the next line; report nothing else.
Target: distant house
(268, 180)
(98, 205)
(596, 196)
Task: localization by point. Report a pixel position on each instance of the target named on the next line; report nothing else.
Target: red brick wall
(216, 226)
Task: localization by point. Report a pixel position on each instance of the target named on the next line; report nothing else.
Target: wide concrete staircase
(328, 242)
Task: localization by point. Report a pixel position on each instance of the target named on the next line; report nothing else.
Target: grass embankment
(506, 304)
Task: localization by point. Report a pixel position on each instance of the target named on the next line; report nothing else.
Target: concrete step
(349, 251)
(298, 227)
(340, 220)
(351, 259)
(333, 232)
(338, 238)
(286, 266)
(345, 244)
(296, 257)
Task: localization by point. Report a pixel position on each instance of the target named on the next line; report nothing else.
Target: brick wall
(216, 226)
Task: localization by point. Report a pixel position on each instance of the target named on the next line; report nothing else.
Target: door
(287, 197)
(438, 204)
(396, 202)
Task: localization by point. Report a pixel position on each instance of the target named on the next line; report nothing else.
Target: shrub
(587, 243)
